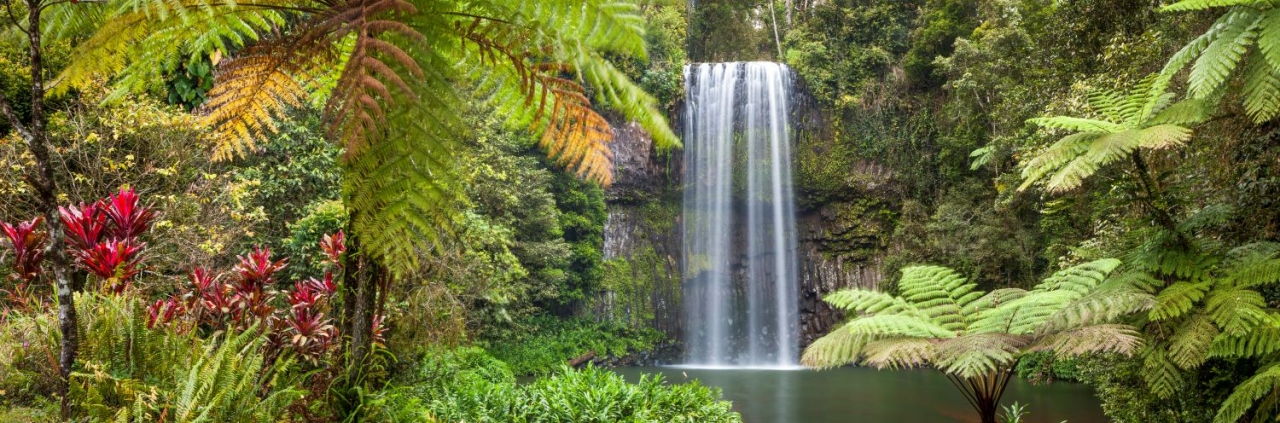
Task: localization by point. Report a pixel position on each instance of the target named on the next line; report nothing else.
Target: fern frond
(1236, 310)
(1222, 55)
(1162, 375)
(1190, 5)
(975, 355)
(1099, 307)
(1259, 342)
(1189, 347)
(898, 353)
(992, 300)
(893, 325)
(835, 349)
(1078, 124)
(939, 293)
(1242, 399)
(1261, 90)
(250, 93)
(1177, 299)
(1056, 156)
(868, 301)
(1103, 338)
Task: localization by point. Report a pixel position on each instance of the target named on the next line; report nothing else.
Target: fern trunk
(359, 294)
(35, 136)
(984, 392)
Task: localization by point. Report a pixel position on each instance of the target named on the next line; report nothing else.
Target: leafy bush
(469, 385)
(544, 343)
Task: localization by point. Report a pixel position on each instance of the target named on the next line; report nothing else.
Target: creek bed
(869, 396)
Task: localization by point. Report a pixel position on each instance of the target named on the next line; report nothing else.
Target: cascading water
(738, 166)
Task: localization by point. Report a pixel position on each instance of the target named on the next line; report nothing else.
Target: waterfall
(741, 306)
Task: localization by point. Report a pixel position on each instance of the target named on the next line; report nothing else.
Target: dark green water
(870, 396)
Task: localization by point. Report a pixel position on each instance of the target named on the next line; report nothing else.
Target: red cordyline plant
(251, 294)
(27, 244)
(103, 237)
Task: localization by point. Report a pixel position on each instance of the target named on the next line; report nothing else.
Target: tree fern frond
(1099, 307)
(1177, 299)
(1242, 399)
(835, 349)
(1082, 278)
(1190, 5)
(1236, 310)
(1259, 342)
(867, 301)
(1056, 156)
(1103, 338)
(1184, 113)
(1225, 52)
(898, 353)
(939, 293)
(979, 354)
(888, 325)
(1162, 375)
(1189, 347)
(993, 300)
(251, 92)
(1261, 91)
(1253, 265)
(1077, 124)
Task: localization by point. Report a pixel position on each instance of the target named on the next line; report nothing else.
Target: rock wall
(642, 236)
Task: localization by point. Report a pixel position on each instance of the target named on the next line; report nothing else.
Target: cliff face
(845, 216)
(642, 235)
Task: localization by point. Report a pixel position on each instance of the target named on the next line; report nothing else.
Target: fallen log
(582, 359)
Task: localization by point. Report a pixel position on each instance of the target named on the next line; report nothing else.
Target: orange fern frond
(250, 92)
(573, 133)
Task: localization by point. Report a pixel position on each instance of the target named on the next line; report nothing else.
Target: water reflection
(870, 396)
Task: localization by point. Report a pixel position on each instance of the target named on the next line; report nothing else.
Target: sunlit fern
(392, 75)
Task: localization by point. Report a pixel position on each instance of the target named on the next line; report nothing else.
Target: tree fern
(398, 68)
(1132, 121)
(975, 337)
(1246, 35)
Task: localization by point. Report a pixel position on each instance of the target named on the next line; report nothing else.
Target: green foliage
(1245, 38)
(1144, 118)
(846, 44)
(543, 343)
(468, 385)
(129, 372)
(303, 244)
(943, 22)
(940, 319)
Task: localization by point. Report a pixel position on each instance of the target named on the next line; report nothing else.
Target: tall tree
(392, 75)
(33, 130)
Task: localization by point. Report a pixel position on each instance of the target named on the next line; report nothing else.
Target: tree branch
(6, 109)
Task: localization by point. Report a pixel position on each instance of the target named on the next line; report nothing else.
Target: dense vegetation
(391, 209)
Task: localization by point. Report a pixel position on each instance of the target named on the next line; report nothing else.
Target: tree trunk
(35, 136)
(983, 392)
(359, 295)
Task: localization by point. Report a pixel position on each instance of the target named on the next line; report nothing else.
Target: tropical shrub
(544, 343)
(977, 338)
(469, 385)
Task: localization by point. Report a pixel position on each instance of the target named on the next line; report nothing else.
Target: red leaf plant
(251, 297)
(164, 311)
(27, 244)
(129, 219)
(84, 225)
(334, 247)
(115, 262)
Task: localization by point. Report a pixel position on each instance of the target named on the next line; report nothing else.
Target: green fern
(1140, 119)
(1247, 35)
